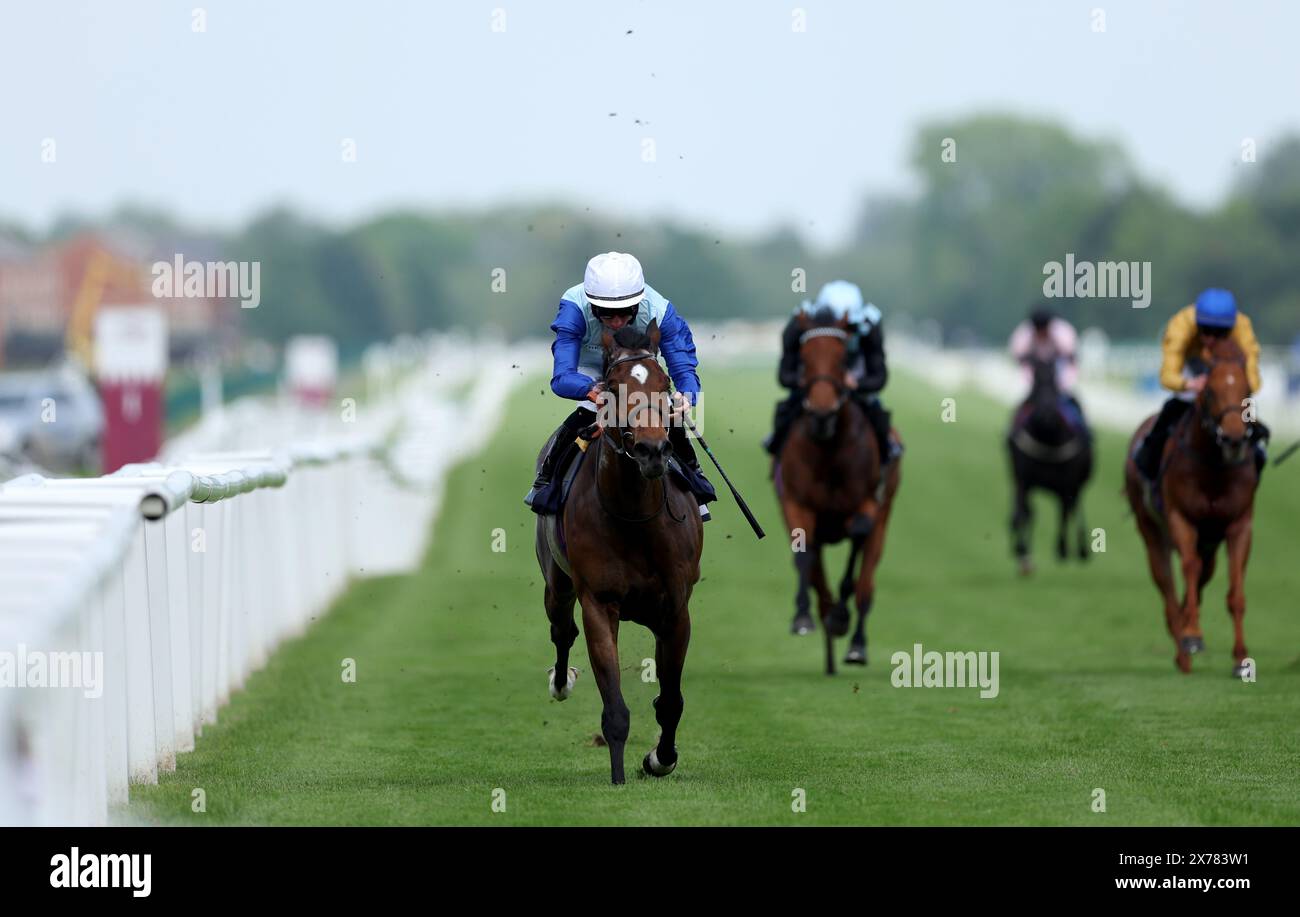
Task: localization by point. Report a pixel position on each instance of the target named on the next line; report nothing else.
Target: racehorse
(1203, 496)
(830, 484)
(1047, 452)
(634, 539)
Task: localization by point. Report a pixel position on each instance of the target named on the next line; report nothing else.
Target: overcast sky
(753, 123)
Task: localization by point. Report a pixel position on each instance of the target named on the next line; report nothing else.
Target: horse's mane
(823, 317)
(628, 338)
(1224, 348)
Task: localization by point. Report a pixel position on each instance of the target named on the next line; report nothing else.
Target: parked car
(51, 417)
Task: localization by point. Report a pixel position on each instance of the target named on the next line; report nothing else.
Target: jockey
(866, 373)
(1047, 337)
(614, 294)
(1183, 372)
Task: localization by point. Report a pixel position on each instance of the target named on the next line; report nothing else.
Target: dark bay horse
(831, 487)
(634, 539)
(1206, 496)
(1047, 453)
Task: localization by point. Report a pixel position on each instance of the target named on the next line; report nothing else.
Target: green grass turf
(451, 700)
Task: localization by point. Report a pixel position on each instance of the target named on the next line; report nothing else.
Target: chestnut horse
(1207, 490)
(830, 486)
(634, 540)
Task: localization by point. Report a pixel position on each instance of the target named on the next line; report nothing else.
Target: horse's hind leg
(670, 658)
(559, 610)
(600, 621)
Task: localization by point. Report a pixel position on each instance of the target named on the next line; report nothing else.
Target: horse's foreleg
(1063, 526)
(1239, 537)
(865, 588)
(818, 579)
(1189, 638)
(559, 610)
(1022, 517)
(600, 621)
(1081, 529)
(670, 658)
(802, 525)
(836, 618)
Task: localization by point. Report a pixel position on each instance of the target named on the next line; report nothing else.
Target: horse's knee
(669, 707)
(615, 722)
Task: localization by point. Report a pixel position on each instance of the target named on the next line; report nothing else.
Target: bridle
(621, 450)
(837, 382)
(1212, 423)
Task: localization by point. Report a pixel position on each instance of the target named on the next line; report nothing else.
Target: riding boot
(1083, 421)
(564, 436)
(781, 421)
(685, 453)
(1260, 435)
(1147, 458)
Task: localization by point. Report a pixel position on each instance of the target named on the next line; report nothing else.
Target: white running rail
(150, 595)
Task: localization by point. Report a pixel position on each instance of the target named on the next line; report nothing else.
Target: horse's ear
(653, 334)
(804, 320)
(1207, 351)
(606, 341)
(843, 323)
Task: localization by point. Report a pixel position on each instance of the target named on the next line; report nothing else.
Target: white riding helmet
(844, 299)
(614, 281)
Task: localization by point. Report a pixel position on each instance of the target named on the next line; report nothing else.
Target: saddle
(550, 500)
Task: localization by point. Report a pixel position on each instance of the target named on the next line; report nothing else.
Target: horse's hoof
(1026, 566)
(564, 692)
(650, 764)
(837, 622)
(1184, 663)
(1192, 645)
(802, 625)
(857, 655)
(1239, 670)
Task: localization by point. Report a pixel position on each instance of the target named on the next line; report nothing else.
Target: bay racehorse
(1203, 496)
(634, 539)
(831, 486)
(1049, 453)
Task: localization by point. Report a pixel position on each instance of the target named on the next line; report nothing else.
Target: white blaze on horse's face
(639, 373)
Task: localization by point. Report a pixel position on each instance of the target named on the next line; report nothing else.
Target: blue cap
(1216, 308)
